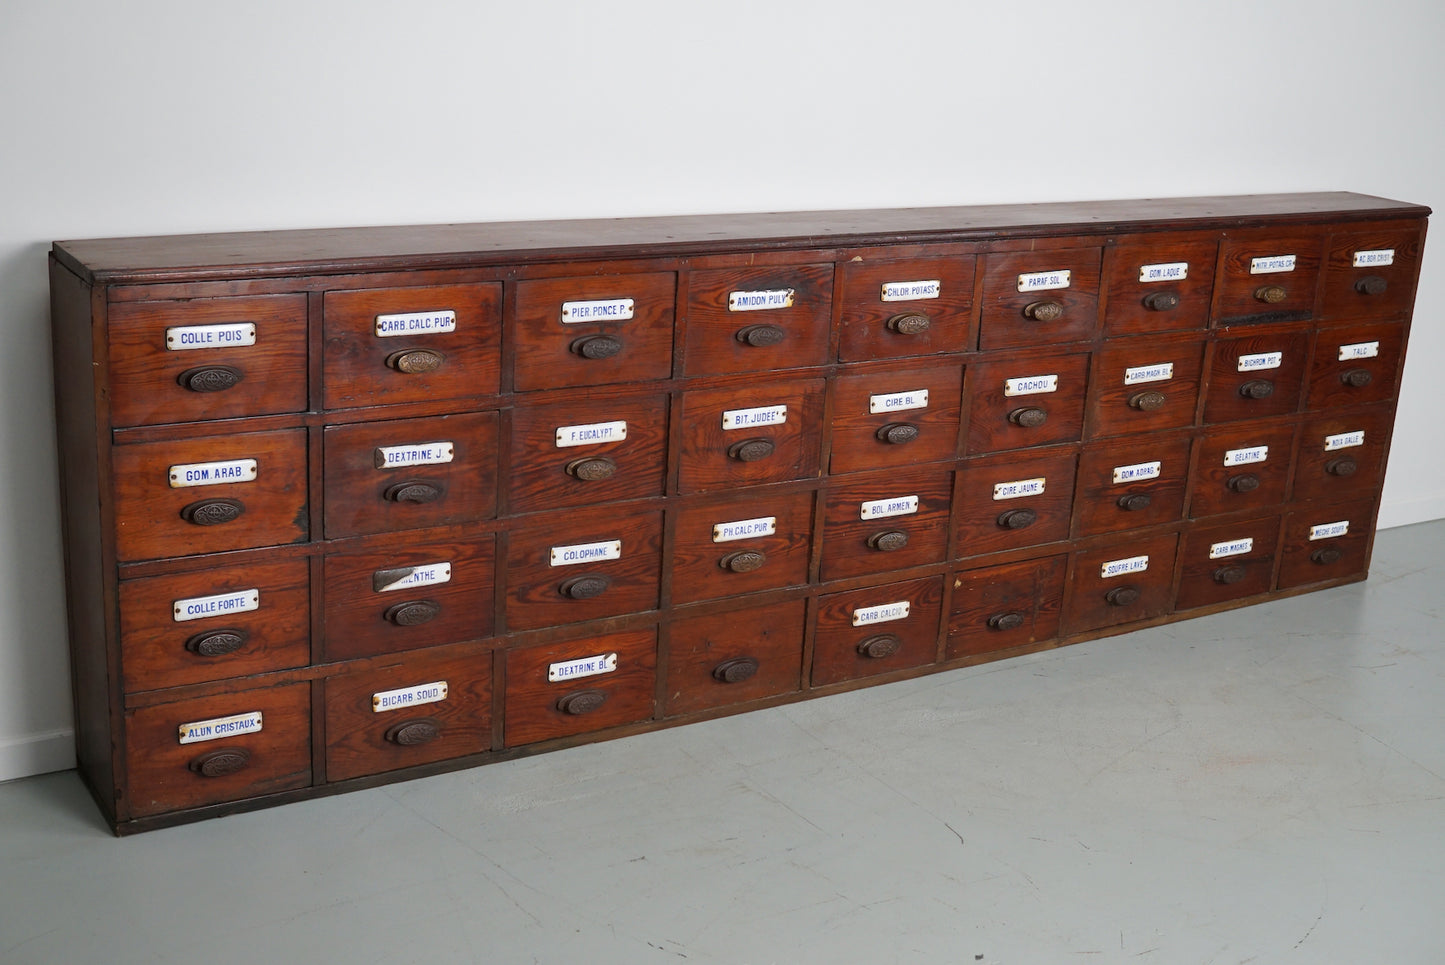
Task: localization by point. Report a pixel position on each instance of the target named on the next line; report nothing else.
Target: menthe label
(1140, 470)
(1260, 362)
(226, 335)
(760, 301)
(1171, 271)
(1019, 488)
(1329, 530)
(586, 553)
(1158, 372)
(591, 434)
(1031, 385)
(898, 401)
(406, 577)
(883, 508)
(882, 613)
(1243, 457)
(1234, 547)
(219, 727)
(767, 415)
(1359, 350)
(421, 454)
(602, 310)
(415, 323)
(581, 667)
(1041, 281)
(432, 693)
(911, 291)
(1345, 440)
(1379, 256)
(222, 604)
(744, 529)
(212, 473)
(1134, 564)
(1270, 264)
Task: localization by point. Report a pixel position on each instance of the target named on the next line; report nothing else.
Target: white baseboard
(37, 754)
(1395, 513)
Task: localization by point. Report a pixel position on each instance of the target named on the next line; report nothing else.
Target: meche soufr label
(579, 553)
(598, 310)
(416, 323)
(212, 473)
(1172, 271)
(765, 415)
(911, 291)
(432, 693)
(220, 727)
(1329, 530)
(760, 301)
(744, 529)
(591, 434)
(182, 338)
(220, 604)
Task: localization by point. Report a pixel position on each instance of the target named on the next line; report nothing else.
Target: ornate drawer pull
(1371, 285)
(581, 702)
(1245, 482)
(736, 670)
(1271, 294)
(1149, 401)
(213, 512)
(889, 541)
(1017, 518)
(897, 433)
(415, 361)
(1257, 389)
(415, 491)
(751, 450)
(1044, 311)
(1030, 417)
(584, 587)
(594, 469)
(216, 643)
(1324, 556)
(1011, 620)
(412, 613)
(1357, 378)
(908, 323)
(1122, 596)
(219, 763)
(1133, 502)
(743, 561)
(1228, 575)
(1342, 466)
(883, 645)
(1161, 301)
(409, 733)
(210, 378)
(760, 336)
(596, 346)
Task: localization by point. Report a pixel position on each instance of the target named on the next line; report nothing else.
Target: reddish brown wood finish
(721, 451)
(873, 427)
(844, 650)
(1095, 601)
(1161, 302)
(1343, 371)
(1010, 318)
(1217, 565)
(1355, 468)
(723, 340)
(1131, 393)
(1247, 292)
(1354, 292)
(872, 328)
(1307, 558)
(709, 560)
(730, 658)
(1229, 473)
(854, 545)
(991, 517)
(999, 421)
(1120, 486)
(1242, 386)
(539, 709)
(1000, 607)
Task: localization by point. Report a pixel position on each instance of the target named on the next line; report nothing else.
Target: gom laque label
(416, 323)
(429, 693)
(212, 473)
(1170, 271)
(217, 605)
(219, 728)
(183, 338)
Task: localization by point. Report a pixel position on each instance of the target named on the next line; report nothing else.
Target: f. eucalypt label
(1172, 271)
(1019, 488)
(407, 577)
(221, 604)
(1134, 564)
(581, 667)
(212, 473)
(767, 415)
(911, 291)
(183, 338)
(1359, 350)
(883, 508)
(220, 727)
(1329, 530)
(1243, 457)
(580, 553)
(1031, 385)
(744, 529)
(592, 434)
(760, 301)
(1158, 372)
(432, 693)
(421, 454)
(415, 323)
(1345, 440)
(1234, 547)
(898, 401)
(1260, 362)
(1271, 264)
(1375, 258)
(602, 310)
(882, 613)
(1138, 471)
(1042, 281)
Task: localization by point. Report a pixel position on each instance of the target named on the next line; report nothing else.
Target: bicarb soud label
(911, 291)
(217, 605)
(416, 323)
(882, 613)
(212, 473)
(218, 728)
(581, 667)
(591, 434)
(432, 693)
(183, 338)
(744, 529)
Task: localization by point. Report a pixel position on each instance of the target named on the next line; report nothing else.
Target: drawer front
(1143, 385)
(1256, 376)
(1370, 272)
(1034, 297)
(1227, 561)
(210, 494)
(582, 566)
(594, 330)
(579, 686)
(894, 309)
(999, 607)
(421, 708)
(1326, 541)
(1356, 365)
(1241, 468)
(409, 473)
(1017, 404)
(387, 345)
(1268, 276)
(757, 319)
(770, 432)
(408, 597)
(1128, 485)
(1005, 502)
(229, 621)
(206, 358)
(238, 746)
(730, 658)
(877, 630)
(898, 418)
(1342, 455)
(1155, 285)
(886, 521)
(1120, 583)
(737, 545)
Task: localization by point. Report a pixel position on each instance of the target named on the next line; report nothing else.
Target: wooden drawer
(741, 544)
(420, 708)
(1342, 455)
(1144, 384)
(204, 495)
(1256, 376)
(1130, 580)
(730, 658)
(1241, 468)
(1158, 285)
(227, 621)
(206, 358)
(1326, 541)
(1227, 561)
(577, 686)
(593, 330)
(1356, 365)
(758, 319)
(1370, 271)
(901, 417)
(876, 630)
(762, 433)
(1268, 275)
(387, 345)
(264, 746)
(568, 567)
(882, 521)
(1031, 402)
(408, 596)
(1009, 501)
(917, 306)
(409, 473)
(1034, 297)
(1132, 484)
(999, 607)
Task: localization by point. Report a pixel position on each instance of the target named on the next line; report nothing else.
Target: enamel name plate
(1260, 362)
(228, 335)
(898, 401)
(1235, 547)
(760, 301)
(1345, 440)
(586, 553)
(1134, 564)
(1019, 488)
(744, 529)
(1330, 530)
(882, 613)
(415, 323)
(1158, 372)
(883, 508)
(581, 667)
(421, 454)
(1031, 385)
(212, 473)
(222, 604)
(604, 310)
(406, 577)
(1172, 271)
(911, 291)
(591, 434)
(432, 693)
(1370, 259)
(219, 727)
(1042, 281)
(1243, 457)
(1359, 350)
(767, 415)
(1270, 264)
(1140, 470)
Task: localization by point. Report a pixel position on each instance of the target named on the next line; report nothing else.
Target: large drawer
(1227, 561)
(886, 521)
(577, 686)
(729, 658)
(1035, 297)
(998, 607)
(895, 417)
(741, 544)
(1126, 485)
(1014, 404)
(1256, 376)
(1326, 541)
(769, 431)
(912, 306)
(1144, 385)
(758, 319)
(1356, 364)
(1370, 271)
(1242, 467)
(1013, 500)
(1158, 285)
(1132, 579)
(877, 630)
(1268, 275)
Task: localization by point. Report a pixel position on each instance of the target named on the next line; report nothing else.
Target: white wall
(149, 117)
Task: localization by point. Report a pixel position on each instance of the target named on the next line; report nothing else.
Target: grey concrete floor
(1261, 786)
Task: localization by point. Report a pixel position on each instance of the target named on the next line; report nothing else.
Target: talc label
(1359, 350)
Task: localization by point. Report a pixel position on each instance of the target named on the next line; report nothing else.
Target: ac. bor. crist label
(217, 605)
(183, 338)
(765, 415)
(416, 323)
(212, 473)
(1375, 258)
(1246, 456)
(591, 434)
(1019, 488)
(218, 728)
(1158, 372)
(420, 454)
(579, 553)
(430, 693)
(911, 291)
(1134, 564)
(761, 301)
(597, 310)
(1329, 530)
(744, 529)
(1271, 264)
(898, 401)
(1170, 271)
(882, 613)
(1042, 281)
(1233, 547)
(593, 666)
(1345, 440)
(884, 508)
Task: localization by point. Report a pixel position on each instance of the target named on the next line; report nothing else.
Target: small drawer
(579, 686)
(206, 358)
(1227, 561)
(230, 621)
(1256, 376)
(1017, 404)
(758, 319)
(731, 658)
(895, 309)
(419, 595)
(1241, 468)
(590, 451)
(568, 567)
(1268, 276)
(1009, 501)
(1158, 286)
(1128, 485)
(1342, 455)
(896, 418)
(1126, 581)
(409, 473)
(875, 522)
(1000, 607)
(1326, 541)
(737, 545)
(1370, 271)
(876, 630)
(1356, 365)
(1036, 297)
(418, 709)
(386, 345)
(769, 432)
(210, 494)
(1144, 384)
(593, 331)
(214, 749)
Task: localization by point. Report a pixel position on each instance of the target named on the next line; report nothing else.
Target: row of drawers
(178, 360)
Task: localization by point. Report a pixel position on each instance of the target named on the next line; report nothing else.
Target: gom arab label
(1138, 471)
(767, 415)
(1031, 385)
(1259, 362)
(1234, 547)
(1329, 530)
(416, 323)
(1359, 350)
(591, 434)
(212, 473)
(1243, 457)
(1171, 271)
(600, 310)
(579, 553)
(882, 613)
(221, 604)
(883, 508)
(1271, 264)
(581, 667)
(1345, 440)
(183, 338)
(1042, 281)
(1374, 258)
(220, 727)
(1158, 372)
(744, 529)
(406, 577)
(1019, 488)
(432, 693)
(421, 454)
(1134, 564)
(898, 401)
(760, 301)
(911, 291)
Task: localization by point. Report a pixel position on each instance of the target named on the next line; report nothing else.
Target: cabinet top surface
(329, 250)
